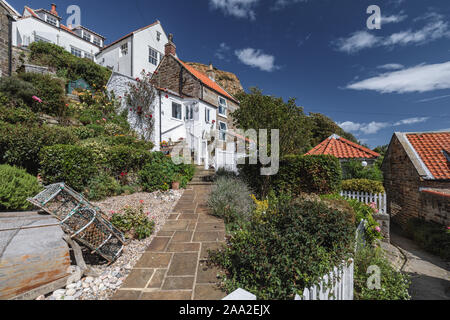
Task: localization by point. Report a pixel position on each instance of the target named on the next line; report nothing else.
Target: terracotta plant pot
(175, 185)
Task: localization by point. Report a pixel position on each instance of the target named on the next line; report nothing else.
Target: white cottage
(45, 25)
(138, 50)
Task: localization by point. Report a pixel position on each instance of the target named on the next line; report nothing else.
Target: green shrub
(103, 186)
(20, 144)
(123, 158)
(394, 284)
(133, 222)
(363, 185)
(68, 65)
(73, 165)
(50, 90)
(17, 91)
(13, 115)
(431, 236)
(354, 169)
(15, 187)
(230, 199)
(84, 132)
(294, 245)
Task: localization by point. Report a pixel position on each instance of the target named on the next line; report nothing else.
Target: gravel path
(159, 205)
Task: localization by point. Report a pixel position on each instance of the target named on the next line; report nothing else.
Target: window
(89, 56)
(176, 110)
(153, 56)
(222, 131)
(52, 20)
(158, 35)
(75, 51)
(189, 113)
(124, 49)
(39, 38)
(207, 115)
(222, 106)
(86, 36)
(97, 41)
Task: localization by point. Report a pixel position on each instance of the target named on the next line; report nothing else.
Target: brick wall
(402, 184)
(435, 208)
(4, 42)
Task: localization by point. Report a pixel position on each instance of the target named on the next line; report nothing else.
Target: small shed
(77, 84)
(416, 169)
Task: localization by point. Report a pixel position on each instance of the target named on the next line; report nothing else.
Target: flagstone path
(174, 265)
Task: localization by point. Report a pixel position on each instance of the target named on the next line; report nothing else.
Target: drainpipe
(10, 20)
(160, 121)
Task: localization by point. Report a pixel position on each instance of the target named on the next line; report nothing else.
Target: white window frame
(152, 56)
(223, 131)
(207, 115)
(97, 41)
(86, 36)
(53, 19)
(188, 112)
(224, 106)
(181, 111)
(124, 49)
(38, 38)
(72, 49)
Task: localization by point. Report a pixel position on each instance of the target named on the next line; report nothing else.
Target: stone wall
(4, 42)
(384, 222)
(403, 183)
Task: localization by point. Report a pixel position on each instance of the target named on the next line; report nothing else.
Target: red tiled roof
(436, 191)
(31, 11)
(207, 81)
(430, 148)
(343, 149)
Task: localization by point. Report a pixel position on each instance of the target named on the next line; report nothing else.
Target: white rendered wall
(112, 57)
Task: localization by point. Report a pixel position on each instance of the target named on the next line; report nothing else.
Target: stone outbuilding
(7, 16)
(416, 171)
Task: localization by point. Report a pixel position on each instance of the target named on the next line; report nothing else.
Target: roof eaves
(420, 166)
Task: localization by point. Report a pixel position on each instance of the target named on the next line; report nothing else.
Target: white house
(138, 50)
(45, 25)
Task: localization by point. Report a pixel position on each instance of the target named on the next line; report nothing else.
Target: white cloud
(436, 29)
(393, 18)
(420, 78)
(222, 52)
(411, 121)
(391, 66)
(373, 127)
(256, 59)
(281, 4)
(236, 8)
(435, 98)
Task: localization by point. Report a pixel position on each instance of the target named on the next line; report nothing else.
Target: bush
(363, 185)
(291, 249)
(73, 165)
(354, 169)
(133, 222)
(431, 236)
(123, 158)
(50, 90)
(103, 186)
(231, 200)
(15, 187)
(160, 172)
(84, 132)
(13, 115)
(20, 144)
(67, 65)
(18, 91)
(394, 284)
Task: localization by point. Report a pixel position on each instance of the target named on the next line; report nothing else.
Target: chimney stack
(210, 72)
(170, 47)
(54, 9)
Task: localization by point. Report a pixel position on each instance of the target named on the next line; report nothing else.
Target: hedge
(71, 164)
(16, 185)
(20, 144)
(363, 185)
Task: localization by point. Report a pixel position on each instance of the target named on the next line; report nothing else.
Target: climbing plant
(140, 100)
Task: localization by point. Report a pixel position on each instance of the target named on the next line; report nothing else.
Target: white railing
(225, 159)
(368, 198)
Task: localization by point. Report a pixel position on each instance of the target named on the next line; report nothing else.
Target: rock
(59, 293)
(69, 298)
(88, 279)
(70, 292)
(86, 285)
(71, 286)
(101, 287)
(41, 297)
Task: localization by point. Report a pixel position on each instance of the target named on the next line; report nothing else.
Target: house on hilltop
(45, 25)
(344, 150)
(417, 177)
(138, 50)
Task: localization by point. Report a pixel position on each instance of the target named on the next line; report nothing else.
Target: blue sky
(371, 82)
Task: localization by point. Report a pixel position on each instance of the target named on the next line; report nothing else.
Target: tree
(258, 111)
(322, 127)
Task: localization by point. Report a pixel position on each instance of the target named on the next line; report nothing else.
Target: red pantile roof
(343, 149)
(207, 81)
(430, 147)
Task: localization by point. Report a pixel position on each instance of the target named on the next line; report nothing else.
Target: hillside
(227, 80)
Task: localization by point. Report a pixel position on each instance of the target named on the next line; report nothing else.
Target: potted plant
(176, 181)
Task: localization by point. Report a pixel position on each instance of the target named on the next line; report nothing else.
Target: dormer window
(52, 20)
(86, 36)
(222, 107)
(97, 41)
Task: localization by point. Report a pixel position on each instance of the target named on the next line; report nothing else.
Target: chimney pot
(210, 72)
(170, 47)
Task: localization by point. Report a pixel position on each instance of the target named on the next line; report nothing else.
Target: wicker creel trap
(81, 220)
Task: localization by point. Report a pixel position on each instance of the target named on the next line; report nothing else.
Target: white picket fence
(367, 198)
